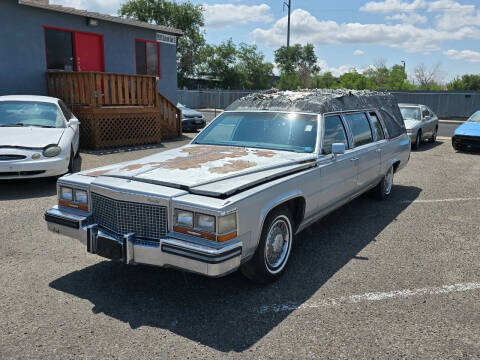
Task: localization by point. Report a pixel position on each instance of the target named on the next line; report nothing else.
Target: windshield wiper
(42, 126)
(12, 125)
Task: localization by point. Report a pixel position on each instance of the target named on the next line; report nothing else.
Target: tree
(297, 59)
(355, 80)
(466, 82)
(184, 16)
(427, 77)
(324, 81)
(256, 73)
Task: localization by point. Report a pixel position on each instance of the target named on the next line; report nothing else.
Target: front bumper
(29, 168)
(465, 142)
(172, 251)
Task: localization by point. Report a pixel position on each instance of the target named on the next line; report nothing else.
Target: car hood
(196, 166)
(410, 124)
(191, 113)
(30, 137)
(468, 128)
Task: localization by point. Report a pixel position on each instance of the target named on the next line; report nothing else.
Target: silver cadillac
(236, 196)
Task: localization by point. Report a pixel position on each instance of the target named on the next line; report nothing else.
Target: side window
(360, 126)
(377, 126)
(334, 133)
(425, 112)
(65, 110)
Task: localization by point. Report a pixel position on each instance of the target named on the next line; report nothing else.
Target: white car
(39, 137)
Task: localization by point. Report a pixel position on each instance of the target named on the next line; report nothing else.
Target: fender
(273, 204)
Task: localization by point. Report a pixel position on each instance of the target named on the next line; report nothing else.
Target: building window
(59, 45)
(147, 56)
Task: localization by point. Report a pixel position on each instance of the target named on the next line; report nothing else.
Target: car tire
(71, 163)
(271, 257)
(418, 140)
(384, 188)
(433, 139)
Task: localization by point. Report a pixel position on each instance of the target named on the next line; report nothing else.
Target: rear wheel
(273, 251)
(384, 188)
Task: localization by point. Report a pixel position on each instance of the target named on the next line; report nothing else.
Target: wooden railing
(103, 89)
(171, 117)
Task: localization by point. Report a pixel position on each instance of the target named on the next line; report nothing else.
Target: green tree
(324, 81)
(299, 60)
(256, 73)
(184, 16)
(355, 80)
(466, 82)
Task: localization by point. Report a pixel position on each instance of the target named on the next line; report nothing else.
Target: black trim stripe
(201, 257)
(74, 224)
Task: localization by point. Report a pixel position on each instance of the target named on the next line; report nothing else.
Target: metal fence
(446, 104)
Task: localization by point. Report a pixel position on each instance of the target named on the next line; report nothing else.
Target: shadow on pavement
(425, 146)
(224, 313)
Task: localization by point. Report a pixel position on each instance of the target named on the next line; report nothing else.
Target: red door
(89, 52)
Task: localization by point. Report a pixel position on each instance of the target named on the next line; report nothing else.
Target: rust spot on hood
(132, 167)
(233, 166)
(265, 153)
(98, 172)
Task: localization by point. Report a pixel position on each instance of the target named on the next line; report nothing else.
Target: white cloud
(389, 6)
(340, 70)
(222, 15)
(454, 15)
(358, 52)
(110, 7)
(308, 29)
(467, 55)
(412, 18)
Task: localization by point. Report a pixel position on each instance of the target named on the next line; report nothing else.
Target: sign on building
(169, 39)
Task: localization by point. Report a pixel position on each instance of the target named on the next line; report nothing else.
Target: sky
(347, 34)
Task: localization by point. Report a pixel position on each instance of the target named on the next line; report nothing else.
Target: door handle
(354, 159)
(379, 150)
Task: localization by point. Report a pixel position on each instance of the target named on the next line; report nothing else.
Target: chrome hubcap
(389, 181)
(277, 246)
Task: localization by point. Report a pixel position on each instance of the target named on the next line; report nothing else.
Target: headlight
(81, 196)
(52, 150)
(227, 224)
(183, 217)
(66, 193)
(205, 222)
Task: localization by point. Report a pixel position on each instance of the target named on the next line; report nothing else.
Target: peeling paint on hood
(194, 165)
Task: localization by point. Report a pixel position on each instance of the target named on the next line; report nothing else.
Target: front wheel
(273, 251)
(384, 188)
(418, 140)
(434, 136)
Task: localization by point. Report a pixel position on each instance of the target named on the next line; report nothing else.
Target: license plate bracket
(109, 248)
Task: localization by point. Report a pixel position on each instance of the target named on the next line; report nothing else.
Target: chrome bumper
(168, 252)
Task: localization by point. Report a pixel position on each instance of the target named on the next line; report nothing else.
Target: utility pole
(403, 62)
(289, 6)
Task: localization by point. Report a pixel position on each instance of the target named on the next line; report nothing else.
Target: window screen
(362, 134)
(59, 46)
(147, 59)
(377, 126)
(334, 132)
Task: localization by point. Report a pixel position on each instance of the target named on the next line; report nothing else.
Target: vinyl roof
(95, 15)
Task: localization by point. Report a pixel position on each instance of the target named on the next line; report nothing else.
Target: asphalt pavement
(375, 279)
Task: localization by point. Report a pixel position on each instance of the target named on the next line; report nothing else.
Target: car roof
(410, 105)
(46, 99)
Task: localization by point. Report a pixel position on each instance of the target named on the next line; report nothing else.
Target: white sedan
(39, 137)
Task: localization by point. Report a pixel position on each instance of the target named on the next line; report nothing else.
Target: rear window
(394, 126)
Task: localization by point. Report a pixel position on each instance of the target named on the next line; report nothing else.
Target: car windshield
(181, 106)
(265, 130)
(475, 117)
(30, 113)
(410, 113)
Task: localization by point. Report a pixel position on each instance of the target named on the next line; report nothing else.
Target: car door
(365, 150)
(337, 174)
(433, 120)
(427, 128)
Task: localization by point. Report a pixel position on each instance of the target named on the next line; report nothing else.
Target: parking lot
(392, 279)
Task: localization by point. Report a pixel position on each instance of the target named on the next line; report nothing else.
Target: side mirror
(338, 149)
(73, 122)
(426, 118)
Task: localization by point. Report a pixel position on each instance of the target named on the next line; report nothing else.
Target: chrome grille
(123, 217)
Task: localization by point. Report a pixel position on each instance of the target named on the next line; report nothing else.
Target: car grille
(464, 141)
(11, 157)
(122, 217)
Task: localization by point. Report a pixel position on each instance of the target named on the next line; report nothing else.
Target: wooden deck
(116, 109)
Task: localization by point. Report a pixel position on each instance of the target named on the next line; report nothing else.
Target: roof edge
(104, 17)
